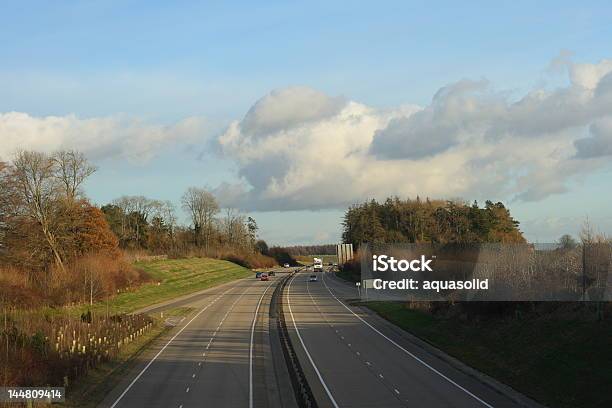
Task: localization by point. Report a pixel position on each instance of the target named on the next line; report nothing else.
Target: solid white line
(406, 351)
(297, 331)
(162, 350)
(251, 346)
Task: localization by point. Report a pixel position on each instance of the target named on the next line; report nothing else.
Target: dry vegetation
(57, 349)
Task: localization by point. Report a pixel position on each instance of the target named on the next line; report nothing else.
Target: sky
(293, 111)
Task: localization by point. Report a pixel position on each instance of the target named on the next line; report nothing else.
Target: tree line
(54, 241)
(143, 223)
(437, 221)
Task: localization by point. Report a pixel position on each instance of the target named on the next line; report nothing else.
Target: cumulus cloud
(113, 136)
(298, 148)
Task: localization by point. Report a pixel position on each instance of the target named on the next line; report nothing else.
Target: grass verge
(560, 360)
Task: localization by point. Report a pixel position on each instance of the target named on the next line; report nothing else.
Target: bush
(251, 260)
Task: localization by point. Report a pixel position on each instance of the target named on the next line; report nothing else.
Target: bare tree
(71, 168)
(167, 213)
(202, 208)
(235, 228)
(37, 185)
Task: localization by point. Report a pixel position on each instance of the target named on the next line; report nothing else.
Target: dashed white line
(162, 350)
(187, 390)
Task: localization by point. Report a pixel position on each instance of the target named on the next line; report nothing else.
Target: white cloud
(113, 136)
(299, 149)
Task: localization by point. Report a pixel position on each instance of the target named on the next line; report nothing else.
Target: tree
(72, 169)
(252, 230)
(202, 207)
(37, 185)
(567, 242)
(261, 246)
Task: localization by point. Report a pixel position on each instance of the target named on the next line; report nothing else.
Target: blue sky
(158, 63)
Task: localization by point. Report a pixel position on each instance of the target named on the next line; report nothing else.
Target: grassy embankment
(559, 355)
(172, 278)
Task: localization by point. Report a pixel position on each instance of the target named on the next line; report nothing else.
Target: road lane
(363, 365)
(209, 359)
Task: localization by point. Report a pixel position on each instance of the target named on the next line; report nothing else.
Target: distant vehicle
(331, 264)
(264, 277)
(271, 273)
(286, 265)
(312, 278)
(318, 264)
(257, 275)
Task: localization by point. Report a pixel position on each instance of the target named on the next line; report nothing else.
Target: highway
(352, 359)
(225, 354)
(219, 356)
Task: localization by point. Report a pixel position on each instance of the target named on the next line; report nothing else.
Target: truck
(318, 264)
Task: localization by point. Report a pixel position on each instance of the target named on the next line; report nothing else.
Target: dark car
(264, 277)
(257, 275)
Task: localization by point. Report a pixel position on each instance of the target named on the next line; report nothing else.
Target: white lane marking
(251, 346)
(396, 391)
(192, 375)
(297, 331)
(381, 376)
(187, 390)
(406, 351)
(162, 350)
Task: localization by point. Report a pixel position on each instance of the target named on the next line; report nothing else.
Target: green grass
(173, 278)
(561, 361)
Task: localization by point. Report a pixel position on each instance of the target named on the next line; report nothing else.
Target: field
(559, 355)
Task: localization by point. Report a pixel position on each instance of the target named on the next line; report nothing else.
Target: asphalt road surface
(224, 355)
(353, 360)
(219, 356)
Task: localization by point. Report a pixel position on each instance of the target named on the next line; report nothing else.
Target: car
(271, 273)
(286, 265)
(331, 264)
(264, 277)
(312, 278)
(257, 275)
